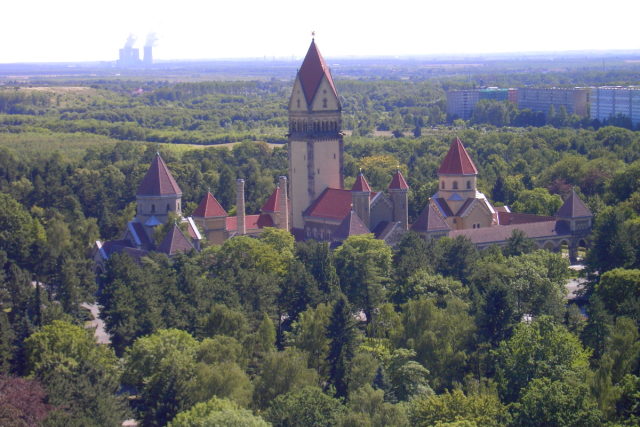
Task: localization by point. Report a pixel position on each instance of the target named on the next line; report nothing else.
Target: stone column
(283, 221)
(242, 229)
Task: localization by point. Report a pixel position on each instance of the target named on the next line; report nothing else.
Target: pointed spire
(457, 161)
(209, 207)
(361, 184)
(273, 202)
(573, 207)
(351, 225)
(398, 182)
(175, 241)
(311, 72)
(158, 181)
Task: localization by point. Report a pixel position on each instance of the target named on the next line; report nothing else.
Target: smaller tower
(242, 229)
(398, 190)
(158, 195)
(361, 195)
(458, 176)
(212, 218)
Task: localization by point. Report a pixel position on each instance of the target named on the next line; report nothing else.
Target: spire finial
(313, 35)
(360, 171)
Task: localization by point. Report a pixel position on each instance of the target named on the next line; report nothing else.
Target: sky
(94, 30)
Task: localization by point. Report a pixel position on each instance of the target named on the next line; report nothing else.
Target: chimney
(242, 229)
(283, 221)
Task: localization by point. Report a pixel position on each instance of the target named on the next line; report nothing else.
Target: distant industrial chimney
(148, 55)
(242, 229)
(148, 49)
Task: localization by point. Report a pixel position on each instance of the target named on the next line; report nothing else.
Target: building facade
(612, 101)
(574, 100)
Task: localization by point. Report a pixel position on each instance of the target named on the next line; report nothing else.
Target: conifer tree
(341, 332)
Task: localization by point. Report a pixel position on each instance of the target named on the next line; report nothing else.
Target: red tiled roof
(398, 182)
(175, 241)
(457, 161)
(209, 207)
(333, 203)
(430, 220)
(158, 181)
(273, 202)
(352, 225)
(361, 184)
(311, 72)
(512, 218)
(573, 207)
(264, 220)
(250, 222)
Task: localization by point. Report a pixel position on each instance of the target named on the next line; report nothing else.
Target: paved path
(102, 337)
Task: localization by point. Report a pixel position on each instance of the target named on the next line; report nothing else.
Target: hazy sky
(88, 30)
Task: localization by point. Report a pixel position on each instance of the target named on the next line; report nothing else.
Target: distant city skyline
(77, 30)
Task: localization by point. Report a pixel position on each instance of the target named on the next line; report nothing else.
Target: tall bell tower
(315, 137)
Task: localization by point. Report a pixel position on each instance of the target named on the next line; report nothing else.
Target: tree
(364, 265)
(217, 413)
(619, 290)
(456, 256)
(545, 402)
(308, 406)
(223, 320)
(537, 201)
(611, 247)
(481, 407)
(23, 402)
(441, 337)
(162, 368)
(282, 372)
(536, 350)
(341, 333)
(309, 334)
(368, 407)
(518, 244)
(79, 374)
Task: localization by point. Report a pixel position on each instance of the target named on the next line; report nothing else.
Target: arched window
(168, 207)
(153, 208)
(468, 185)
(442, 185)
(455, 185)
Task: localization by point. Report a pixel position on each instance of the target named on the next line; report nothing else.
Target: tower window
(324, 103)
(153, 208)
(468, 184)
(442, 185)
(455, 185)
(334, 155)
(298, 103)
(168, 207)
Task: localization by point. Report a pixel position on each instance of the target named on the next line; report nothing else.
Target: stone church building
(312, 202)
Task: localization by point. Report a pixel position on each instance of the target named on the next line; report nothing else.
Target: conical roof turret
(457, 161)
(361, 184)
(158, 181)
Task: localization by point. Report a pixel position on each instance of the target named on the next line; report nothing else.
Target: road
(102, 337)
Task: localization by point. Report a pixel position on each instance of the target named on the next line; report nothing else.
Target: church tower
(315, 137)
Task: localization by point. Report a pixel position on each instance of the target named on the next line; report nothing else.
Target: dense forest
(271, 331)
